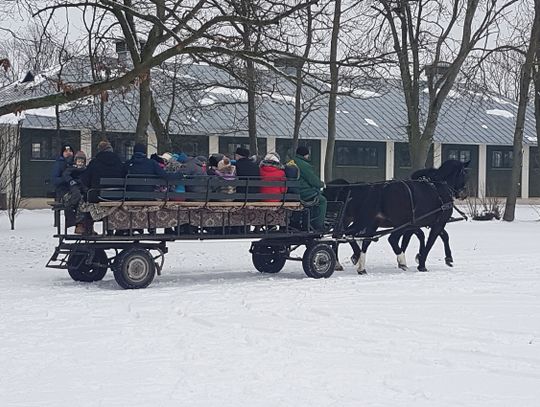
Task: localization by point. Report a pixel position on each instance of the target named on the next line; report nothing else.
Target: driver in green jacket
(310, 187)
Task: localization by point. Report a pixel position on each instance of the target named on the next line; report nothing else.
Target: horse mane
(447, 169)
(428, 173)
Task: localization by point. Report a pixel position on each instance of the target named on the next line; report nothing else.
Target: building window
(231, 148)
(403, 158)
(191, 149)
(534, 159)
(501, 159)
(128, 151)
(357, 156)
(461, 155)
(36, 151)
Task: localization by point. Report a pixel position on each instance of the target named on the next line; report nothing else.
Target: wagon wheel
(134, 268)
(319, 261)
(269, 259)
(79, 270)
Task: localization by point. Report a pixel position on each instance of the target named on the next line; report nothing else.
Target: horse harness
(445, 206)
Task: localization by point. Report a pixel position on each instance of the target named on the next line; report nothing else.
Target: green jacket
(310, 183)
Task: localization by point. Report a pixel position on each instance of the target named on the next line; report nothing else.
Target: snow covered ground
(214, 332)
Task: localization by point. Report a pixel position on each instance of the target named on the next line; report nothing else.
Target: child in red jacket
(270, 169)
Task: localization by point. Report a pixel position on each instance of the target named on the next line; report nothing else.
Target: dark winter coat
(272, 171)
(61, 186)
(245, 168)
(195, 168)
(292, 173)
(106, 164)
(310, 183)
(139, 164)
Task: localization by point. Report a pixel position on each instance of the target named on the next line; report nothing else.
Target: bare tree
(525, 81)
(434, 37)
(10, 161)
(334, 89)
(170, 28)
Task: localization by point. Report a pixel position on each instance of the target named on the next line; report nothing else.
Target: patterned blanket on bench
(144, 217)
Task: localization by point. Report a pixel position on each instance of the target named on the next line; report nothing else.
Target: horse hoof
(403, 267)
(362, 272)
(338, 267)
(354, 259)
(421, 268)
(449, 261)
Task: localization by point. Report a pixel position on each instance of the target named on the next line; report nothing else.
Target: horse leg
(433, 234)
(406, 239)
(447, 252)
(362, 258)
(393, 239)
(356, 252)
(421, 242)
(338, 266)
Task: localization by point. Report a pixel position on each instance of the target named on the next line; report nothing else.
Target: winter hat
(80, 155)
(274, 157)
(139, 148)
(213, 161)
(180, 157)
(302, 150)
(244, 152)
(225, 162)
(65, 147)
(167, 156)
(157, 158)
(104, 145)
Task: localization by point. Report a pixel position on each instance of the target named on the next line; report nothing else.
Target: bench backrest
(200, 188)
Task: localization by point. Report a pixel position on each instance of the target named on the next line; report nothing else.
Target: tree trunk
(299, 82)
(163, 137)
(537, 106)
(145, 107)
(252, 107)
(418, 151)
(102, 122)
(332, 102)
(297, 110)
(524, 83)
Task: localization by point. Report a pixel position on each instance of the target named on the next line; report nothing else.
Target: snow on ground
(214, 332)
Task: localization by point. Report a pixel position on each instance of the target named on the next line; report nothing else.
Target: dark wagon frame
(136, 257)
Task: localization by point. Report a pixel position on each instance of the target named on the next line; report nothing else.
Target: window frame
(506, 159)
(364, 156)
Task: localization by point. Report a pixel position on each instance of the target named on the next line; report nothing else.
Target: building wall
(499, 170)
(37, 162)
(360, 161)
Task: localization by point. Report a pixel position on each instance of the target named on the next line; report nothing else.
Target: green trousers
(318, 213)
